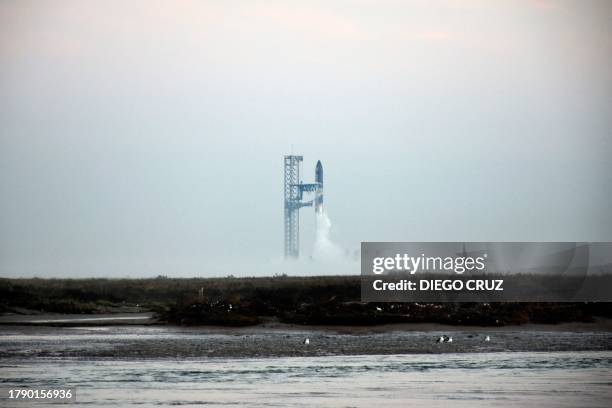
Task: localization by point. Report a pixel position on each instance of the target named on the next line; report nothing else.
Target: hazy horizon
(140, 138)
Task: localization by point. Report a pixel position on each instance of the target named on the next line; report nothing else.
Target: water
(150, 366)
(555, 379)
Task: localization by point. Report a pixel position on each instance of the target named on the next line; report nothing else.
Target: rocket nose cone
(319, 165)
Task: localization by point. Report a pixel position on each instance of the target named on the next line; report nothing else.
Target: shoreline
(134, 342)
(148, 319)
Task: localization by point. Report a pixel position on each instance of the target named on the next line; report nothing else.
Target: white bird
(487, 338)
(440, 340)
(450, 339)
(378, 309)
(307, 341)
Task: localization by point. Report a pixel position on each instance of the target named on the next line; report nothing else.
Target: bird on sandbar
(307, 341)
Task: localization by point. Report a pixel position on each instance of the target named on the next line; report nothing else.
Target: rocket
(319, 190)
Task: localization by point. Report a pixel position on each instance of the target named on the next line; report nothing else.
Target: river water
(458, 379)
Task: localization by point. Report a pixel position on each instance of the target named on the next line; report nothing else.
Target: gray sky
(140, 137)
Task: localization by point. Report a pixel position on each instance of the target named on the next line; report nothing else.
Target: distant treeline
(329, 300)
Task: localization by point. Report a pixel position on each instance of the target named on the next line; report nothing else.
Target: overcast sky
(147, 137)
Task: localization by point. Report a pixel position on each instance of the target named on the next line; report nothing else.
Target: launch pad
(294, 195)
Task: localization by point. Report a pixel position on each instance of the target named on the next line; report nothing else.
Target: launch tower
(294, 192)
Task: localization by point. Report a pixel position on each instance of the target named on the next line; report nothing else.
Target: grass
(330, 300)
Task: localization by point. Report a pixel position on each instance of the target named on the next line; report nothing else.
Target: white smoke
(328, 258)
(324, 248)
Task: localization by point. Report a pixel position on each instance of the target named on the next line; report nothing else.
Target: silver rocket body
(319, 190)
